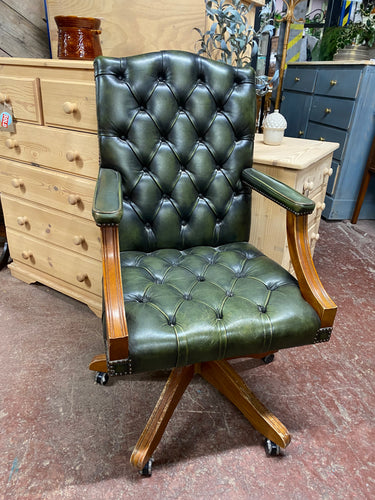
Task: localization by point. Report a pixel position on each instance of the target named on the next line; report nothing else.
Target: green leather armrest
(278, 192)
(107, 205)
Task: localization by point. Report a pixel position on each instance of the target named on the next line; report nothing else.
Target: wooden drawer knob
(74, 199)
(11, 143)
(328, 171)
(70, 107)
(320, 206)
(308, 185)
(4, 98)
(81, 277)
(17, 183)
(72, 155)
(21, 221)
(78, 240)
(315, 236)
(27, 254)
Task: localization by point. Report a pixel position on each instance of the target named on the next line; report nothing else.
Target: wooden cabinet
(48, 169)
(337, 103)
(302, 164)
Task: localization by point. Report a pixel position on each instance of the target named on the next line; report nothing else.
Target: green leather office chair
(183, 288)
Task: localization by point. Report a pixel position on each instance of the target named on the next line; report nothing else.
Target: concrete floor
(62, 436)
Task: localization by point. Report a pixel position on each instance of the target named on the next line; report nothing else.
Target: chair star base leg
(173, 390)
(223, 377)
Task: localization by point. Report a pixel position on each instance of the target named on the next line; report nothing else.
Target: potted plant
(230, 38)
(355, 39)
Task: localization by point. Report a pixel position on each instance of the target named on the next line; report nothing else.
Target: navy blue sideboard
(335, 101)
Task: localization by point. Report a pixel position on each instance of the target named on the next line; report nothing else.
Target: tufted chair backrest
(179, 128)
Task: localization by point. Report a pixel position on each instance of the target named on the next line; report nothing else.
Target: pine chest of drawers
(335, 102)
(48, 168)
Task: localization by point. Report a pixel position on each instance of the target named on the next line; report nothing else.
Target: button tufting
(187, 296)
(147, 225)
(229, 293)
(201, 278)
(262, 309)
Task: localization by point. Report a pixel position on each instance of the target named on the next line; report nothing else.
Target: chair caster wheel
(101, 378)
(268, 359)
(272, 449)
(147, 469)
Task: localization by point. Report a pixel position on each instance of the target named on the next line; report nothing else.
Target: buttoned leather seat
(183, 288)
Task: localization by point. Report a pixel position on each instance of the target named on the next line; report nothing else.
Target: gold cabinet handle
(327, 111)
(17, 183)
(300, 133)
(4, 98)
(22, 221)
(78, 240)
(11, 143)
(81, 277)
(27, 254)
(333, 82)
(322, 139)
(297, 79)
(74, 199)
(70, 107)
(72, 155)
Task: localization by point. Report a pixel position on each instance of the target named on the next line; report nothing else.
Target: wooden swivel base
(222, 376)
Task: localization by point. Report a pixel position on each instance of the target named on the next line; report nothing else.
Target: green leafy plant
(359, 32)
(230, 39)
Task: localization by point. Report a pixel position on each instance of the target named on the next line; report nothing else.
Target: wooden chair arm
(117, 330)
(310, 285)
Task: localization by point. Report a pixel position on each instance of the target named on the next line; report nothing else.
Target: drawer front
(23, 95)
(323, 133)
(296, 122)
(301, 79)
(338, 82)
(313, 181)
(70, 267)
(331, 112)
(69, 104)
(74, 233)
(64, 192)
(69, 151)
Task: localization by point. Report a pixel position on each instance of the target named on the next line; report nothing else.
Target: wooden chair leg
(173, 390)
(221, 375)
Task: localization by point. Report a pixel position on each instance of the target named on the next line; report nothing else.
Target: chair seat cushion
(205, 303)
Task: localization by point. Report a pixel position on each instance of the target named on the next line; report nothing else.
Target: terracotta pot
(78, 37)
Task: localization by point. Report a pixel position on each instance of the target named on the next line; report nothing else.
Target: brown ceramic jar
(78, 37)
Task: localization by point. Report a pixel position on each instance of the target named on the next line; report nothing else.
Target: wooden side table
(302, 164)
